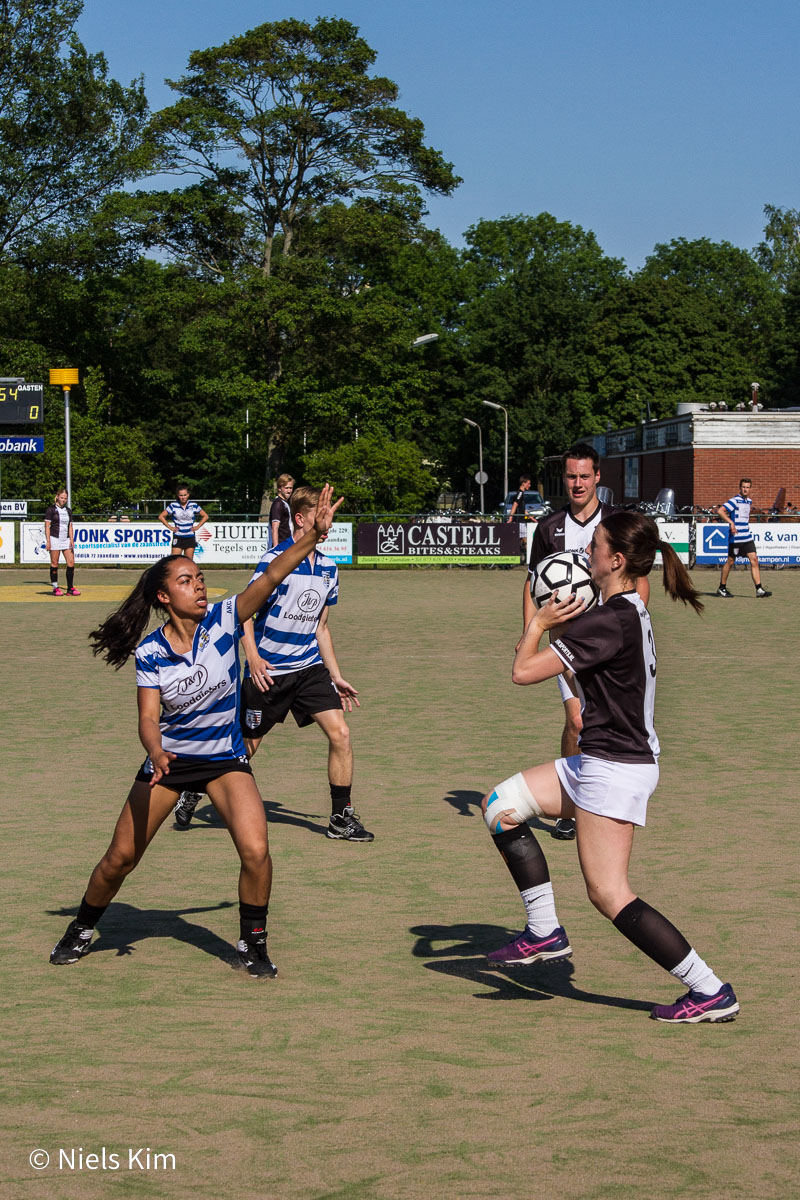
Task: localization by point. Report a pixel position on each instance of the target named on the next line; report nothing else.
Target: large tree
(275, 124)
(538, 286)
(68, 133)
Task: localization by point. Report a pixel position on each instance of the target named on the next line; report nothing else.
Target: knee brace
(512, 798)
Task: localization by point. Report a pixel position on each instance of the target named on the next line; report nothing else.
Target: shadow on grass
(207, 817)
(123, 925)
(539, 981)
(468, 804)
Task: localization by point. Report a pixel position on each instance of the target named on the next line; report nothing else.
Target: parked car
(535, 506)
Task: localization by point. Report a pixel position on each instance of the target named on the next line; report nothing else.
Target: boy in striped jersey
(292, 666)
(736, 512)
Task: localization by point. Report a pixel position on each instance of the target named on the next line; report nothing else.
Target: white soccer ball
(565, 573)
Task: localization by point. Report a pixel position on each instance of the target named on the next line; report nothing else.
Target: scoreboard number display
(21, 403)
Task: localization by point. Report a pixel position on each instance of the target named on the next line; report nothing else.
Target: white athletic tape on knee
(512, 798)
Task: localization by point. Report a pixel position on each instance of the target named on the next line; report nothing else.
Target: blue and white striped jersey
(199, 691)
(184, 517)
(738, 509)
(286, 626)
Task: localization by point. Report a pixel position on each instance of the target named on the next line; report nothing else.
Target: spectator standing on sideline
(184, 517)
(518, 505)
(280, 514)
(59, 538)
(736, 512)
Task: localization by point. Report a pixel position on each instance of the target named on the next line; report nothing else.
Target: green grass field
(387, 1060)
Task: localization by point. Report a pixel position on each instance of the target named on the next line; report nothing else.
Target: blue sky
(640, 121)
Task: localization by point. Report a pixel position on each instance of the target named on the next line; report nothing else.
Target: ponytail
(636, 538)
(677, 582)
(118, 636)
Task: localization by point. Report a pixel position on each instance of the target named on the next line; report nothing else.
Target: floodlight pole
(475, 425)
(64, 377)
(504, 411)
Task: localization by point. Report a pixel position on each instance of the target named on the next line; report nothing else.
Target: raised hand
(325, 511)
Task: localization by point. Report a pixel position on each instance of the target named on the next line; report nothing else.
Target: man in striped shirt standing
(736, 512)
(292, 667)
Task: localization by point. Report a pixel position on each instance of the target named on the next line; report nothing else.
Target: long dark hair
(118, 636)
(636, 537)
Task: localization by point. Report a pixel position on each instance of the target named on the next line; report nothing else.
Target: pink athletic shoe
(58, 592)
(73, 592)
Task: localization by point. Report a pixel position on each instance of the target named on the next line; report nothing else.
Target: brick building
(701, 455)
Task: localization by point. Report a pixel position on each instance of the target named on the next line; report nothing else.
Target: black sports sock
(340, 797)
(252, 921)
(70, 576)
(89, 914)
(652, 933)
(523, 856)
(54, 576)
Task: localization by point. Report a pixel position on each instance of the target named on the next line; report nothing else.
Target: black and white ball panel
(566, 572)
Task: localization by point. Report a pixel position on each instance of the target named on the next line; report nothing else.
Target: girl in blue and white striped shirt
(187, 674)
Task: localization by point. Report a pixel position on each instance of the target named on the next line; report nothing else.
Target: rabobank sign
(21, 445)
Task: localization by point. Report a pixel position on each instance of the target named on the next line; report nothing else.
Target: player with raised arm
(187, 675)
(570, 528)
(607, 785)
(736, 513)
(183, 517)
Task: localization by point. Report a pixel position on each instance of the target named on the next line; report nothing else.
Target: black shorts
(184, 543)
(736, 548)
(193, 774)
(301, 693)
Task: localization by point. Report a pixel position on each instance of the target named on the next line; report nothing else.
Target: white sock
(540, 909)
(697, 975)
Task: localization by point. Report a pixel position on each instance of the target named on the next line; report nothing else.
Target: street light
(504, 411)
(424, 339)
(480, 476)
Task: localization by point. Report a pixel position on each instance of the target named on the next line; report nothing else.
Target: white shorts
(610, 789)
(59, 543)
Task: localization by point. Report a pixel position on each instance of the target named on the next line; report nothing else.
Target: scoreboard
(21, 403)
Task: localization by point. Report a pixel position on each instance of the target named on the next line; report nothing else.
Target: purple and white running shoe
(529, 948)
(694, 1007)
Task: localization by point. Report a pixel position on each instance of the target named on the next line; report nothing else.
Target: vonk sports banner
(776, 542)
(428, 542)
(106, 543)
(114, 543)
(7, 541)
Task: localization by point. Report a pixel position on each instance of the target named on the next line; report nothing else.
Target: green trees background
(259, 315)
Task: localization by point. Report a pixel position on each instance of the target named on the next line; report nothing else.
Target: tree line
(258, 314)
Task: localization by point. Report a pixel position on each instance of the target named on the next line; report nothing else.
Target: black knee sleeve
(523, 857)
(652, 933)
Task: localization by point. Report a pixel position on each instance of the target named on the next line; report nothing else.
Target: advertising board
(113, 543)
(384, 542)
(7, 541)
(776, 542)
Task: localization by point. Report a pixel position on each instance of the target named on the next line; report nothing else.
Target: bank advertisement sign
(395, 542)
(776, 542)
(121, 542)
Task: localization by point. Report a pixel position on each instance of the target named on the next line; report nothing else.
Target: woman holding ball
(607, 785)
